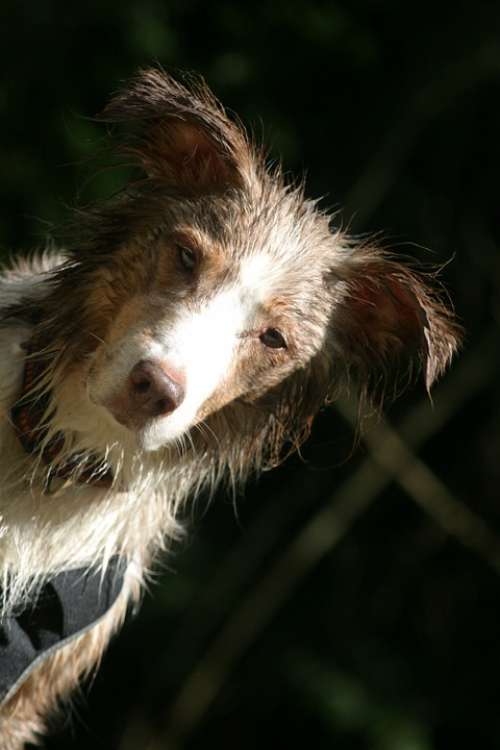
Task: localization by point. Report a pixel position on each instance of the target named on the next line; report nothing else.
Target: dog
(186, 337)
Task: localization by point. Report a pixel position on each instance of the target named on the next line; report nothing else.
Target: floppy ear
(389, 323)
(180, 134)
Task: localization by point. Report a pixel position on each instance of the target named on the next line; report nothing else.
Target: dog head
(210, 289)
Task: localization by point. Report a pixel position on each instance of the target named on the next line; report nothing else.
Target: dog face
(211, 283)
(222, 309)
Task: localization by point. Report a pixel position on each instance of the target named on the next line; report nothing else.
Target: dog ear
(389, 323)
(180, 134)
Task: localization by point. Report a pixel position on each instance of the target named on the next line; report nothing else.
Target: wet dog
(187, 335)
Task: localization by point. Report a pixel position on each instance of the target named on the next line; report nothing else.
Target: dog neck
(28, 415)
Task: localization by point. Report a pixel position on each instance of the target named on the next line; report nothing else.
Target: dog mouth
(152, 434)
(145, 435)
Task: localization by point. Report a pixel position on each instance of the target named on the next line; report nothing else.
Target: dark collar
(27, 416)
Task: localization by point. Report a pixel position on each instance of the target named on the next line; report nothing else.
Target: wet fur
(354, 317)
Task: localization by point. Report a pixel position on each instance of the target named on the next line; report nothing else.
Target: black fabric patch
(69, 604)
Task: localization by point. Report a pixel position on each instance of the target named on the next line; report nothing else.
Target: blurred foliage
(390, 642)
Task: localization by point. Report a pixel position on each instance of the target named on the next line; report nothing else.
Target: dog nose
(155, 390)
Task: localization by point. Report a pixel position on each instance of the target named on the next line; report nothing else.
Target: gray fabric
(69, 604)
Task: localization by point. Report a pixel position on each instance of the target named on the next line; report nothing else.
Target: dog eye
(187, 257)
(273, 339)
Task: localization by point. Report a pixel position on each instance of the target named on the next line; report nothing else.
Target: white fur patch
(202, 344)
(257, 275)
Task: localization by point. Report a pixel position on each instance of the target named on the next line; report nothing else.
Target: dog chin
(151, 437)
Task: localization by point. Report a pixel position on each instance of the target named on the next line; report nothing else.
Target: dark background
(353, 600)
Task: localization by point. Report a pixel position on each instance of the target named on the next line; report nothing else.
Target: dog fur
(211, 267)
